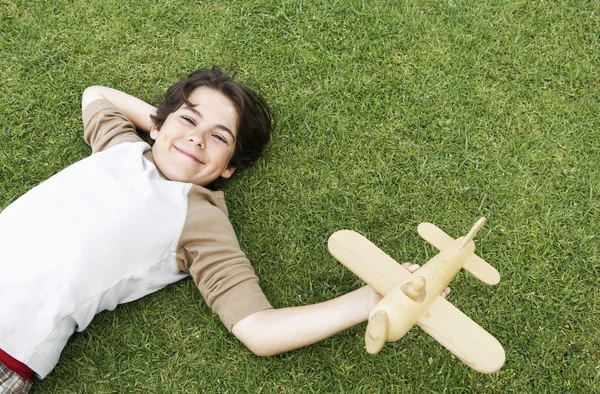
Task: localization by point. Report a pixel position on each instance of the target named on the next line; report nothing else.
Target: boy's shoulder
(105, 126)
(216, 198)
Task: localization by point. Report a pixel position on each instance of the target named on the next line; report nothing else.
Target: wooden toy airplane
(411, 298)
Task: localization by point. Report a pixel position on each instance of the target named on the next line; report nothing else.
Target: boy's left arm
(272, 331)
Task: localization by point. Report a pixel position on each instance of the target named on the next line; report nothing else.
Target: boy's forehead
(214, 103)
(204, 95)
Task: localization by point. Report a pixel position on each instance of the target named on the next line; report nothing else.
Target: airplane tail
(474, 264)
(471, 234)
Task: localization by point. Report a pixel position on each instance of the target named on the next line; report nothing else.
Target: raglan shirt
(106, 230)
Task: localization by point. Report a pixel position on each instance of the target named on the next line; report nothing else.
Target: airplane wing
(478, 267)
(366, 260)
(462, 336)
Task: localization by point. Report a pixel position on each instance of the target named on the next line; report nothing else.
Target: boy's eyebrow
(219, 126)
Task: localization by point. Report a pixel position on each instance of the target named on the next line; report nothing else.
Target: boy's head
(237, 115)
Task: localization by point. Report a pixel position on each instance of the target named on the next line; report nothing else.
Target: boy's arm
(136, 110)
(272, 331)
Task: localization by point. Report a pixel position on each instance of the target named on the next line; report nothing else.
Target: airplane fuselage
(407, 301)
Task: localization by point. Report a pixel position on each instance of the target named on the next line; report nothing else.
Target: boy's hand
(374, 297)
(414, 267)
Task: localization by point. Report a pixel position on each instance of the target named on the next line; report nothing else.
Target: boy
(131, 218)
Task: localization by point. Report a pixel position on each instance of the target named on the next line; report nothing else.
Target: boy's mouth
(191, 156)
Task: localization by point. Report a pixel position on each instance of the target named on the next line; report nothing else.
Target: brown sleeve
(105, 126)
(208, 249)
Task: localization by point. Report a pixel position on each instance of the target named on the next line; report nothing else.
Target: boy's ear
(228, 172)
(154, 132)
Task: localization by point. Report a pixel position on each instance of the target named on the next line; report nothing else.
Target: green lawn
(390, 113)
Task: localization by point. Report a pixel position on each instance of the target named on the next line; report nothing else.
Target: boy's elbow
(260, 350)
(259, 344)
(255, 336)
(90, 94)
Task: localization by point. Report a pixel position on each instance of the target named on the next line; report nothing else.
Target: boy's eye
(220, 137)
(188, 119)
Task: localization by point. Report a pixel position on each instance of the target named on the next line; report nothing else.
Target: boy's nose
(197, 139)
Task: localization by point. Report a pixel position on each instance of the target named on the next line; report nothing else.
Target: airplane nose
(377, 332)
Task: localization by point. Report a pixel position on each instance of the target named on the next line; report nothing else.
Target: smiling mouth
(189, 155)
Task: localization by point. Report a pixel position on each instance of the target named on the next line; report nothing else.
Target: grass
(390, 113)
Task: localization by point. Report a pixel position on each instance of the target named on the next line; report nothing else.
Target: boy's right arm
(136, 110)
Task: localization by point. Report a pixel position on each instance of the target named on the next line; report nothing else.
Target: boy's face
(195, 144)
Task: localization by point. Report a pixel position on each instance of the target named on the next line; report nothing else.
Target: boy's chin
(204, 182)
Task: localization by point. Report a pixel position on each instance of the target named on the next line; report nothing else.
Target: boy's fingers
(411, 267)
